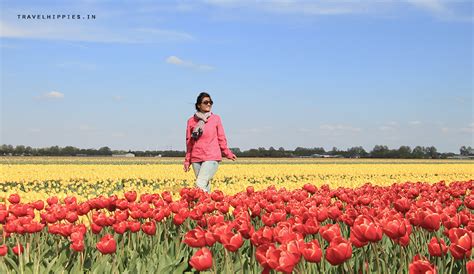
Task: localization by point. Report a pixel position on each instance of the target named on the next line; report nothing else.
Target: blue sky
(281, 73)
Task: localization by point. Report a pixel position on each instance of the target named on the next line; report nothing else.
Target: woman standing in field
(205, 142)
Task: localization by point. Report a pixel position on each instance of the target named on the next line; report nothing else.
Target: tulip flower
(365, 229)
(14, 198)
(312, 251)
(18, 249)
(339, 251)
(437, 248)
(149, 228)
(202, 259)
(78, 246)
(3, 250)
(469, 267)
(419, 265)
(195, 238)
(232, 242)
(329, 232)
(107, 244)
(461, 243)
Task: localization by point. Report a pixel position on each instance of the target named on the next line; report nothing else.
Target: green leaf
(181, 267)
(50, 266)
(12, 263)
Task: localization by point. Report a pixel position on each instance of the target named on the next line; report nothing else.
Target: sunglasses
(207, 103)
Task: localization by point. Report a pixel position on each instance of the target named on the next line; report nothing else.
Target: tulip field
(143, 215)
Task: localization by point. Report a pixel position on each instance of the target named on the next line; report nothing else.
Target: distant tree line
(379, 151)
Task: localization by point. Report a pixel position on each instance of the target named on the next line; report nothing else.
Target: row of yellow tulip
(36, 181)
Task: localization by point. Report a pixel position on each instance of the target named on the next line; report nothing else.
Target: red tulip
(430, 221)
(311, 226)
(134, 226)
(3, 216)
(195, 238)
(263, 235)
(107, 244)
(402, 205)
(263, 255)
(310, 188)
(312, 251)
(76, 236)
(334, 212)
(469, 267)
(394, 228)
(178, 219)
(339, 251)
(356, 242)
(149, 228)
(365, 229)
(202, 259)
(14, 198)
(95, 228)
(38, 205)
(461, 243)
(52, 200)
(131, 196)
(120, 228)
(71, 217)
(232, 242)
(329, 232)
(283, 234)
(70, 200)
(437, 248)
(18, 249)
(421, 266)
(78, 246)
(286, 260)
(3, 250)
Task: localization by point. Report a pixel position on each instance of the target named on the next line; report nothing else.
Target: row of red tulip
(283, 226)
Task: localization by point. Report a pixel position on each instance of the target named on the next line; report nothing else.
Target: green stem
(374, 249)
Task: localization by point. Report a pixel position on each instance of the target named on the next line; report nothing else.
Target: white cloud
(82, 31)
(296, 6)
(174, 60)
(393, 123)
(118, 98)
(117, 134)
(339, 127)
(414, 123)
(442, 9)
(429, 5)
(51, 95)
(54, 94)
(386, 128)
(468, 129)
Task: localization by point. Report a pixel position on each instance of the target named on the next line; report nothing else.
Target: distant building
(322, 156)
(124, 155)
(460, 157)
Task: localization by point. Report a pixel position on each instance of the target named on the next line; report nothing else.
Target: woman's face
(206, 104)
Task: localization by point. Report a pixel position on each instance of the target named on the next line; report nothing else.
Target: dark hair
(200, 97)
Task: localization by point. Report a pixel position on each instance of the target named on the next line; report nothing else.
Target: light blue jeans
(204, 172)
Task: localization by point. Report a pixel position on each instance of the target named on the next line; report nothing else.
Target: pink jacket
(211, 144)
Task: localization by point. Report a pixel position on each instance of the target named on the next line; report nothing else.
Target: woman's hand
(186, 167)
(233, 157)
